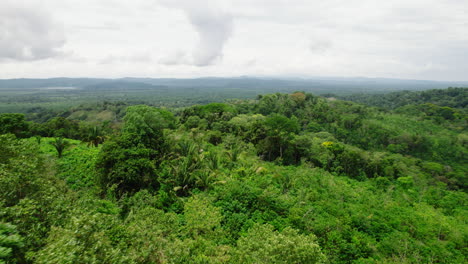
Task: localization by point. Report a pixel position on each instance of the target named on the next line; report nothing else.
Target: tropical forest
(279, 177)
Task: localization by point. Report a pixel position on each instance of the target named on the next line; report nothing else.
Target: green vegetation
(78, 97)
(451, 97)
(285, 178)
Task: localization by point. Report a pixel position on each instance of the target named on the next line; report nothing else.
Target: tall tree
(130, 159)
(14, 124)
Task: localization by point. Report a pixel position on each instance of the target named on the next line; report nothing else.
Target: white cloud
(176, 58)
(320, 45)
(213, 25)
(423, 39)
(214, 29)
(27, 32)
(142, 57)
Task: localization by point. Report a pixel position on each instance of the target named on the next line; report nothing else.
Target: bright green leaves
(200, 216)
(20, 164)
(280, 124)
(264, 245)
(82, 240)
(249, 127)
(77, 167)
(10, 241)
(147, 123)
(200, 194)
(149, 233)
(30, 197)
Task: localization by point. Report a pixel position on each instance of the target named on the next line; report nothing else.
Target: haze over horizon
(412, 39)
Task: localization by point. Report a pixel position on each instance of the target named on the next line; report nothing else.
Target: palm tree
(213, 160)
(60, 145)
(234, 153)
(95, 137)
(187, 148)
(204, 178)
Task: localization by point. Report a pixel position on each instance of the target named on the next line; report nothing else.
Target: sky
(407, 39)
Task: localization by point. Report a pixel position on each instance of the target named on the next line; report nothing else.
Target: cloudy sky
(411, 39)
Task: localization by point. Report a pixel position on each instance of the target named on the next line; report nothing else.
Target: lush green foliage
(15, 124)
(451, 97)
(287, 178)
(10, 241)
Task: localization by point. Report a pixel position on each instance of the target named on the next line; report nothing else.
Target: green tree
(129, 161)
(83, 240)
(14, 124)
(264, 245)
(201, 217)
(147, 123)
(126, 163)
(277, 144)
(62, 127)
(20, 167)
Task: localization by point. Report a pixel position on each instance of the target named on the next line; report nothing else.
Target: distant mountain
(123, 85)
(52, 82)
(318, 85)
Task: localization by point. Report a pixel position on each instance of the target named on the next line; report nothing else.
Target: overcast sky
(412, 39)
